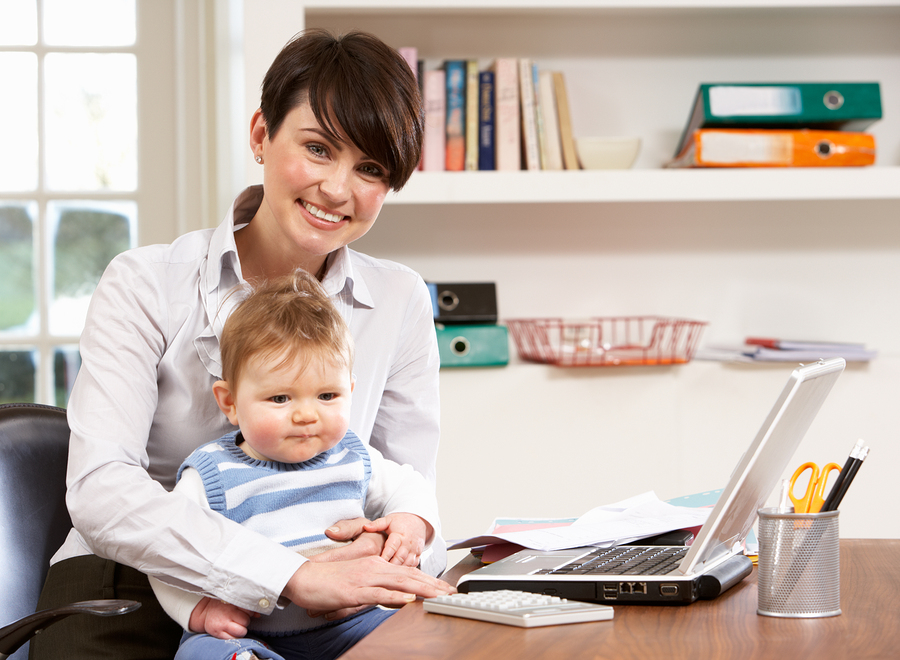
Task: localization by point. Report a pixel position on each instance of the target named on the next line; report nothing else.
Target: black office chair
(34, 521)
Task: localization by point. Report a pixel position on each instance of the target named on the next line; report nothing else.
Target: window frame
(177, 47)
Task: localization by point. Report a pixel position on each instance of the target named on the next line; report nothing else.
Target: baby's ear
(225, 400)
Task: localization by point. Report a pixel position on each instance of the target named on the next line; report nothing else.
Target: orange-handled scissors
(814, 497)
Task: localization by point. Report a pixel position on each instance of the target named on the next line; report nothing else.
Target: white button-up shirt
(143, 401)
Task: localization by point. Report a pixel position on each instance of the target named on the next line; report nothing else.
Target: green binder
(848, 106)
(483, 345)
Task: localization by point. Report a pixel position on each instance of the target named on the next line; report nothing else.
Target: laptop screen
(762, 465)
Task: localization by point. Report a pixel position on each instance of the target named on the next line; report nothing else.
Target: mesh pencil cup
(798, 572)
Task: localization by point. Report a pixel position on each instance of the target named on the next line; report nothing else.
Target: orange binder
(756, 147)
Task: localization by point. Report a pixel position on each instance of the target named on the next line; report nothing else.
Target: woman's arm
(135, 343)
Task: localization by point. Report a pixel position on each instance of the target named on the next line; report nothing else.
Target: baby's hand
(406, 537)
(219, 619)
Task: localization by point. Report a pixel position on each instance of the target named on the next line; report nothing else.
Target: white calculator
(518, 608)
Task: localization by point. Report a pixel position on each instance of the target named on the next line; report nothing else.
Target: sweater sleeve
(395, 488)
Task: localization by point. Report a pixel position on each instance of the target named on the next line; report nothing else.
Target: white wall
(535, 440)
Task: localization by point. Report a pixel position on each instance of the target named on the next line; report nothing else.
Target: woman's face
(320, 194)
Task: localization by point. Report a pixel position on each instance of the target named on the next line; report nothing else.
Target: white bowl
(607, 153)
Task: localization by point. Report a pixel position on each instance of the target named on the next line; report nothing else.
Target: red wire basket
(606, 341)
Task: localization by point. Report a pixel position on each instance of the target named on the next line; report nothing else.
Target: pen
(828, 504)
(783, 503)
(845, 484)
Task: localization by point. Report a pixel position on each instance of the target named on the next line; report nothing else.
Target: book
(553, 157)
(539, 117)
(507, 131)
(411, 55)
(760, 147)
(434, 94)
(823, 105)
(567, 138)
(530, 147)
(486, 145)
(455, 72)
(472, 100)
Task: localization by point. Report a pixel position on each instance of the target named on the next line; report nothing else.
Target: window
(89, 171)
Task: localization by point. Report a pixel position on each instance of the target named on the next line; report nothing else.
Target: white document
(634, 518)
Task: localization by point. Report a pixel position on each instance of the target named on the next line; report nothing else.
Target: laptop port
(610, 590)
(668, 590)
(633, 588)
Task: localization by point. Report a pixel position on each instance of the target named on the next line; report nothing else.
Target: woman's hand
(339, 588)
(364, 544)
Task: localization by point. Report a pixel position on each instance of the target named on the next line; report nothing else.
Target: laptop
(714, 562)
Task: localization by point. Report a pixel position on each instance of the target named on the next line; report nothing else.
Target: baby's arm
(407, 535)
(219, 619)
(192, 610)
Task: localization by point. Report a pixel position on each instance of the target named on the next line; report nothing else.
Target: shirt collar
(223, 256)
(340, 278)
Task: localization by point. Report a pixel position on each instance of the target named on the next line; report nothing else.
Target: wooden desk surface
(727, 627)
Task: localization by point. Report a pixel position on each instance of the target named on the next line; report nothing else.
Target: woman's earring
(259, 159)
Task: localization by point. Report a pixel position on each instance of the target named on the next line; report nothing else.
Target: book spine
(434, 144)
(455, 71)
(507, 121)
(411, 55)
(472, 102)
(550, 122)
(486, 147)
(530, 145)
(567, 138)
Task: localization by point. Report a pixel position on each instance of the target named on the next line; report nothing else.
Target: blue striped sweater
(291, 503)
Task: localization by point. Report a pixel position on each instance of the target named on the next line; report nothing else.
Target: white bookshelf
(632, 67)
(650, 186)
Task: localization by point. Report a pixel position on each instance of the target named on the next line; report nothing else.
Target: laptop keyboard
(623, 560)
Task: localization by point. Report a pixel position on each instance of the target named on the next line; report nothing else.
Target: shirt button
(264, 603)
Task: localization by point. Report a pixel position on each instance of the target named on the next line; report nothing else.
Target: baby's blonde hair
(290, 316)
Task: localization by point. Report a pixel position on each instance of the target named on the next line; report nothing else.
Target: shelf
(764, 184)
(356, 6)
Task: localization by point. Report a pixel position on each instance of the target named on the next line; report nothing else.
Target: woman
(339, 124)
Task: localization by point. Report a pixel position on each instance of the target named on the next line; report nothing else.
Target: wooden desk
(727, 627)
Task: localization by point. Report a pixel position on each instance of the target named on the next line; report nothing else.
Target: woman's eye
(317, 149)
(374, 171)
(279, 398)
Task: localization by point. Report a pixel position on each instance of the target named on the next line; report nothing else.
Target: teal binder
(482, 345)
(848, 106)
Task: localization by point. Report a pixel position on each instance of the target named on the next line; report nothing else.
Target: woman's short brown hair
(357, 86)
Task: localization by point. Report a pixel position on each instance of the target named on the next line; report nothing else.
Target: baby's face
(294, 411)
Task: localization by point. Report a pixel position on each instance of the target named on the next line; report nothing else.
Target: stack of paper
(613, 524)
(757, 349)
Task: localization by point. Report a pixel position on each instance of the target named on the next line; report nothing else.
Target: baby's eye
(327, 396)
(279, 398)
